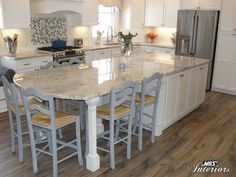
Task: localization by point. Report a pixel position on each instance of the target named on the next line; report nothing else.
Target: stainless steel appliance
(66, 54)
(196, 36)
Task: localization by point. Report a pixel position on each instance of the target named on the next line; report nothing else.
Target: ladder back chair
(49, 120)
(121, 105)
(150, 91)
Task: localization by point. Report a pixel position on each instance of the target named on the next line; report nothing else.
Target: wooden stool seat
(120, 111)
(61, 119)
(148, 99)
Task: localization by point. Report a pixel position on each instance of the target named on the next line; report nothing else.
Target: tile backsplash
(45, 29)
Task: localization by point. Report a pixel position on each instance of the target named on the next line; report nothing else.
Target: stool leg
(33, 149)
(54, 152)
(78, 138)
(117, 130)
(154, 119)
(19, 135)
(60, 135)
(13, 145)
(140, 134)
(112, 151)
(49, 136)
(129, 137)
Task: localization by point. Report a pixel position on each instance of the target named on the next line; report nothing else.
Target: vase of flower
(99, 35)
(126, 43)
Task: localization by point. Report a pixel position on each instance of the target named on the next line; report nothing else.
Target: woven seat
(61, 119)
(148, 99)
(120, 111)
(21, 106)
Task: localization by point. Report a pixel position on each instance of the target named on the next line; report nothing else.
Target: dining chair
(50, 121)
(150, 91)
(121, 106)
(15, 113)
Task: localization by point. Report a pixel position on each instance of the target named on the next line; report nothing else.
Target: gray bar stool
(46, 118)
(16, 110)
(149, 95)
(121, 106)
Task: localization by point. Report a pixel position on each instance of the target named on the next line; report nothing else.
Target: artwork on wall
(45, 29)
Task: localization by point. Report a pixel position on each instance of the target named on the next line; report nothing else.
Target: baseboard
(223, 91)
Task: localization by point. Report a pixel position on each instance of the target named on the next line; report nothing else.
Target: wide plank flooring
(208, 133)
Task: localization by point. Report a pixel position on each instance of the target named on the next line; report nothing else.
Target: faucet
(109, 38)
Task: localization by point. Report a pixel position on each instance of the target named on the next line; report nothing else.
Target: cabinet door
(102, 54)
(171, 13)
(171, 101)
(211, 4)
(192, 89)
(14, 14)
(154, 12)
(202, 84)
(189, 4)
(228, 14)
(90, 12)
(137, 12)
(182, 88)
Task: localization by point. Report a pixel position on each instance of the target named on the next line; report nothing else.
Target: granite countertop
(105, 46)
(97, 78)
(25, 54)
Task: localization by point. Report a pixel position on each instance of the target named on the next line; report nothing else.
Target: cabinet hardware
(102, 53)
(182, 75)
(201, 68)
(26, 64)
(44, 61)
(2, 100)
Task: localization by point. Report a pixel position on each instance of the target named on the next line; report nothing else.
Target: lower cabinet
(185, 91)
(3, 106)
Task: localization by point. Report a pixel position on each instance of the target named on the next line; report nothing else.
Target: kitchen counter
(101, 75)
(24, 54)
(105, 46)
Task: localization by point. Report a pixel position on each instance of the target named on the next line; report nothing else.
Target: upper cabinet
(90, 17)
(161, 13)
(227, 17)
(201, 4)
(14, 14)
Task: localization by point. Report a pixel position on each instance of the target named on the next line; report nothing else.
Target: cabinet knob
(182, 75)
(26, 64)
(2, 99)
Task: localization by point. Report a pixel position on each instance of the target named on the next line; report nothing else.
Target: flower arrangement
(99, 35)
(152, 36)
(125, 38)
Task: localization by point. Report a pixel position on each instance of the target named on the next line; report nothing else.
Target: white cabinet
(228, 14)
(201, 4)
(14, 14)
(182, 91)
(102, 54)
(26, 64)
(90, 12)
(154, 13)
(88, 56)
(185, 91)
(159, 49)
(161, 13)
(202, 81)
(137, 12)
(224, 71)
(171, 100)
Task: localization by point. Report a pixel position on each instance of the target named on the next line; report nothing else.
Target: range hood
(52, 6)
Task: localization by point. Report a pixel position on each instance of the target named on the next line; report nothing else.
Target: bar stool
(50, 121)
(149, 95)
(17, 109)
(121, 106)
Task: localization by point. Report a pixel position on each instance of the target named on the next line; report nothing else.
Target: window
(107, 17)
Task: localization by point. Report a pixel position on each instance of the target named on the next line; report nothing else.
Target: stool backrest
(124, 94)
(10, 92)
(51, 64)
(150, 85)
(32, 108)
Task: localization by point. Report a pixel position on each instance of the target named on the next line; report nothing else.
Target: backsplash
(45, 29)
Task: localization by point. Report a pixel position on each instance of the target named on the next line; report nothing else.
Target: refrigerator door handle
(192, 35)
(195, 34)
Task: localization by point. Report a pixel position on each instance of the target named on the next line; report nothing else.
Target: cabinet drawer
(101, 54)
(33, 62)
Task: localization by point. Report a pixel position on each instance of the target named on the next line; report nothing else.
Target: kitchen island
(183, 87)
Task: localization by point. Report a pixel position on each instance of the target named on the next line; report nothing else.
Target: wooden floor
(208, 133)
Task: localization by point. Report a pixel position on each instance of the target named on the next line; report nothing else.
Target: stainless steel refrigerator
(196, 36)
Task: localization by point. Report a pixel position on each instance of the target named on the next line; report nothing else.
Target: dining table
(91, 81)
